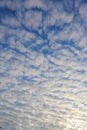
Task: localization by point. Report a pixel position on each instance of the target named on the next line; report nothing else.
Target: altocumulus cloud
(43, 64)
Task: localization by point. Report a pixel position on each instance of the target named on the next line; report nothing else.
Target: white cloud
(2, 3)
(11, 21)
(77, 3)
(9, 4)
(49, 86)
(32, 19)
(83, 42)
(82, 11)
(38, 60)
(57, 19)
(33, 3)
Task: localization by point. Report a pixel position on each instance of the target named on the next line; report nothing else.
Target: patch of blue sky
(13, 60)
(4, 45)
(34, 67)
(5, 15)
(69, 6)
(17, 51)
(43, 47)
(2, 90)
(21, 79)
(29, 43)
(84, 60)
(31, 30)
(47, 51)
(56, 28)
(38, 9)
(81, 71)
(5, 11)
(3, 74)
(85, 83)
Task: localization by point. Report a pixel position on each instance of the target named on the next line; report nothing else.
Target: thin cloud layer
(43, 59)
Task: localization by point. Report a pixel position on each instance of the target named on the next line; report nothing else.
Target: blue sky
(43, 64)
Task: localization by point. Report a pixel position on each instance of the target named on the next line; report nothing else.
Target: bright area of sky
(43, 64)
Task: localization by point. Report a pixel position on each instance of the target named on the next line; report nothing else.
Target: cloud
(32, 19)
(43, 60)
(82, 11)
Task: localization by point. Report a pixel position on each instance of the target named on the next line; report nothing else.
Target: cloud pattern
(43, 64)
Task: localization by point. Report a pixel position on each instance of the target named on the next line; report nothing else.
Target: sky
(43, 64)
